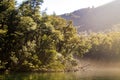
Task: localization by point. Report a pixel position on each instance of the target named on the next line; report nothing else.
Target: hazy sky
(66, 6)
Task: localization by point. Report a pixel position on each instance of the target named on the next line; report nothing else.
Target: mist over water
(99, 65)
(93, 70)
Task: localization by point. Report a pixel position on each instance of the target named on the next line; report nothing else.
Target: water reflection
(86, 75)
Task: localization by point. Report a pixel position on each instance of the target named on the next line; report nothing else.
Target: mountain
(96, 19)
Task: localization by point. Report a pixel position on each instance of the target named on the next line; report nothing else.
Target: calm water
(83, 75)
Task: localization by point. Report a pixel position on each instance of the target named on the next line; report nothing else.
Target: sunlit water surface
(81, 75)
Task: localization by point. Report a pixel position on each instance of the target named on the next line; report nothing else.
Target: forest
(34, 41)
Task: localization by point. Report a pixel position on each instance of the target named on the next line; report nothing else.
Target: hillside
(96, 19)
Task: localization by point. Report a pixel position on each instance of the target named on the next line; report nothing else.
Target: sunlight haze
(59, 39)
(67, 6)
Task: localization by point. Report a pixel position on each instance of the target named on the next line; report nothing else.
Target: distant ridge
(96, 19)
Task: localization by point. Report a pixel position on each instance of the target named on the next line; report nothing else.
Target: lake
(81, 75)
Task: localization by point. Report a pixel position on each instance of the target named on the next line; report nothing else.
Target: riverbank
(83, 65)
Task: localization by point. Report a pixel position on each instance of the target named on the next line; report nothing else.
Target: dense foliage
(104, 46)
(31, 41)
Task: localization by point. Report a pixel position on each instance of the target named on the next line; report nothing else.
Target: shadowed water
(82, 75)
